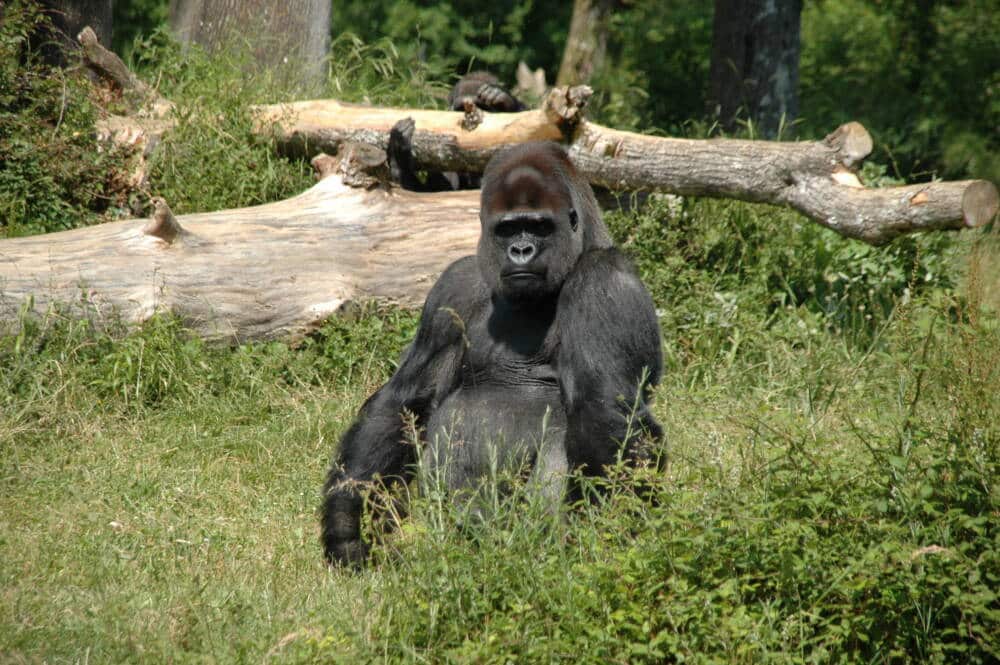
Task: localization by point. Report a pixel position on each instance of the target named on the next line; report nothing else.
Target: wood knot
(565, 106)
(359, 165)
(473, 116)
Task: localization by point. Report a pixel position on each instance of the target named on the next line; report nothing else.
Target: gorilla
(485, 91)
(539, 352)
(480, 88)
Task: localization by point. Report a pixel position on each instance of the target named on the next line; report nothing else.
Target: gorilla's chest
(506, 410)
(510, 349)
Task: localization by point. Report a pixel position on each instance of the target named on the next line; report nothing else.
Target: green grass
(831, 492)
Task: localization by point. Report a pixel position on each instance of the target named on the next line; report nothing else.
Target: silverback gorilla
(480, 88)
(546, 333)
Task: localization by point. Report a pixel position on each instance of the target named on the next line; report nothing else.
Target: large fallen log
(266, 272)
(278, 270)
(817, 178)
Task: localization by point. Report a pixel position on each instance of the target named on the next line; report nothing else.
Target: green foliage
(732, 276)
(656, 74)
(458, 36)
(212, 159)
(363, 343)
(921, 76)
(53, 173)
(133, 19)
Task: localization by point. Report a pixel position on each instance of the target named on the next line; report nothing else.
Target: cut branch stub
(110, 67)
(325, 165)
(163, 225)
(473, 114)
(979, 203)
(852, 142)
(564, 106)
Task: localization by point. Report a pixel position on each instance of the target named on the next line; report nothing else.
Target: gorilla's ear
(574, 221)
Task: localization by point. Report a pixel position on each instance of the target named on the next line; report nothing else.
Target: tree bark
(278, 270)
(68, 18)
(814, 177)
(755, 62)
(587, 41)
(292, 36)
(267, 272)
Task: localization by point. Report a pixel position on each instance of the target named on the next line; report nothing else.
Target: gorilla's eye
(537, 226)
(506, 229)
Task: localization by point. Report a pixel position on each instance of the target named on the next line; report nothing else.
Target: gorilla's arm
(493, 98)
(375, 445)
(609, 342)
(403, 168)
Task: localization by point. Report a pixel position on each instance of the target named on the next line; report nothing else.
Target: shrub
(54, 174)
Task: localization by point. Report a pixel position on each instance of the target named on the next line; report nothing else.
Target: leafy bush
(457, 36)
(54, 175)
(921, 76)
(727, 275)
(365, 342)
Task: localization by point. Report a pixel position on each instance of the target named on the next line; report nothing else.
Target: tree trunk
(69, 17)
(587, 41)
(755, 62)
(292, 36)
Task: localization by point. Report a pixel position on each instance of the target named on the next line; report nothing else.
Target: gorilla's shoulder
(605, 279)
(606, 263)
(460, 287)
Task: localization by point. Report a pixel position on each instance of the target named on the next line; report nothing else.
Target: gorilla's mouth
(521, 275)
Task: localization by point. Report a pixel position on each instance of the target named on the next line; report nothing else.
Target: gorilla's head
(538, 216)
(468, 87)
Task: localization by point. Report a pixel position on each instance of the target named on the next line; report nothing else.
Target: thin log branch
(150, 114)
(817, 178)
(111, 68)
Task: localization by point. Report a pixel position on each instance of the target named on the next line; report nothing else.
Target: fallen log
(817, 178)
(278, 270)
(267, 272)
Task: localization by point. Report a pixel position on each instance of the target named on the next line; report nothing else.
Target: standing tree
(587, 41)
(68, 18)
(755, 62)
(281, 34)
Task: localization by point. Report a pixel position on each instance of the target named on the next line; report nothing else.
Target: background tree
(587, 41)
(67, 18)
(290, 33)
(755, 62)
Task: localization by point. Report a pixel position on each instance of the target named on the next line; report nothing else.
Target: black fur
(485, 91)
(482, 89)
(548, 316)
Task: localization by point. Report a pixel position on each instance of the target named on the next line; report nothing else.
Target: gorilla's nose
(520, 252)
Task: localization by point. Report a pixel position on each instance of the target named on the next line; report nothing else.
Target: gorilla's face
(531, 234)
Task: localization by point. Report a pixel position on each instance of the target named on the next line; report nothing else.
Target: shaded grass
(825, 499)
